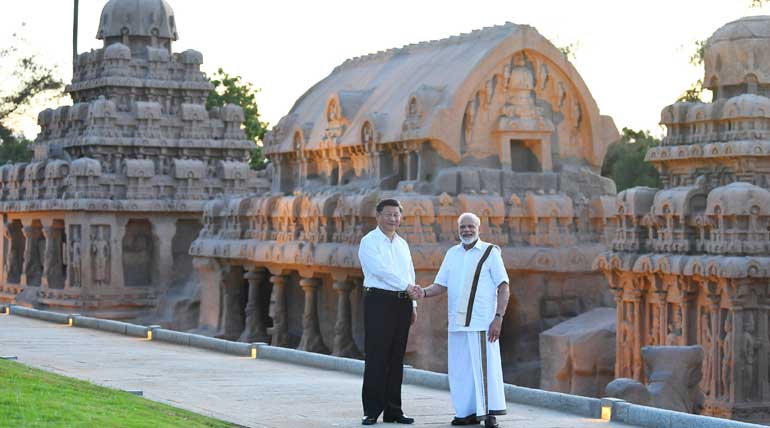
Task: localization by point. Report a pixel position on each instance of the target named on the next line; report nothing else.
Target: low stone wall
(621, 411)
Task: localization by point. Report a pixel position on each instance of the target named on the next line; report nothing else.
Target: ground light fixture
(71, 319)
(607, 403)
(606, 412)
(149, 331)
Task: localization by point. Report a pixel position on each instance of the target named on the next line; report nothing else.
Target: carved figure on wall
(468, 122)
(626, 344)
(14, 261)
(27, 250)
(727, 356)
(674, 336)
(100, 249)
(334, 113)
(750, 348)
(655, 330)
(707, 342)
(51, 258)
(75, 263)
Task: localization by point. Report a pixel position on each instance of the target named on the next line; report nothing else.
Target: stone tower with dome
(690, 263)
(100, 221)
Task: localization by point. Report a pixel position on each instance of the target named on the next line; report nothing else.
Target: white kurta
(475, 368)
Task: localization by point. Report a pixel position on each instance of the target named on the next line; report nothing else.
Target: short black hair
(389, 203)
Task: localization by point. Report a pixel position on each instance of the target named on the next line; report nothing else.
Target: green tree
(28, 80)
(569, 51)
(625, 164)
(232, 89)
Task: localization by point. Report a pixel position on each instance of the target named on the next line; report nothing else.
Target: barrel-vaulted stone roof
(421, 92)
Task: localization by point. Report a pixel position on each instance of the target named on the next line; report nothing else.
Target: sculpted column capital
(343, 285)
(309, 283)
(278, 280)
(254, 274)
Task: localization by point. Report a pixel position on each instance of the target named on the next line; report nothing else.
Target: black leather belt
(388, 293)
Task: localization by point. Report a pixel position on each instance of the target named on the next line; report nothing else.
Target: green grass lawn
(35, 398)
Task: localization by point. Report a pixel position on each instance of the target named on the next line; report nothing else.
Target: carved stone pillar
(255, 329)
(33, 263)
(714, 298)
(637, 367)
(7, 241)
(619, 363)
(344, 346)
(209, 273)
(688, 301)
(163, 230)
(739, 364)
(280, 329)
(53, 276)
(231, 321)
(763, 358)
(116, 249)
(15, 258)
(311, 333)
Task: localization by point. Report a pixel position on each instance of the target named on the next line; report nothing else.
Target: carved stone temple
(495, 121)
(101, 220)
(690, 262)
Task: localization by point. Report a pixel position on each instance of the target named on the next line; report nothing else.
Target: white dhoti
(475, 374)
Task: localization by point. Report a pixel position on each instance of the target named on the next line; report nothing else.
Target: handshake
(415, 291)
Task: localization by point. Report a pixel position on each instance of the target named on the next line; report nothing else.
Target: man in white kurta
(474, 320)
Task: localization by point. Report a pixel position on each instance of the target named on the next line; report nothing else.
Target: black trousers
(386, 329)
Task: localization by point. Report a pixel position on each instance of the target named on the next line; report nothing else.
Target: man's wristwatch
(498, 316)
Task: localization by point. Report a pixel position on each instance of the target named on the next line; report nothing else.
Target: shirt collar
(478, 246)
(383, 236)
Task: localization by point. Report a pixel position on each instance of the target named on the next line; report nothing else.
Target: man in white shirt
(388, 312)
(474, 276)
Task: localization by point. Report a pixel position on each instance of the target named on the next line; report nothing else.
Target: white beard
(468, 241)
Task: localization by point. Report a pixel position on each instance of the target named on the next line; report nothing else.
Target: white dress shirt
(387, 264)
(452, 273)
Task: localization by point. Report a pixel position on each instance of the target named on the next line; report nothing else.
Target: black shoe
(403, 419)
(368, 420)
(491, 422)
(468, 420)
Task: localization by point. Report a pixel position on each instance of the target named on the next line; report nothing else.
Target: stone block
(426, 378)
(629, 390)
(211, 343)
(584, 406)
(578, 355)
(239, 348)
(171, 336)
(469, 180)
(111, 326)
(447, 182)
(136, 330)
(85, 322)
(41, 315)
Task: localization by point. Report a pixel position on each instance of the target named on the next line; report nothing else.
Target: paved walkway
(253, 393)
